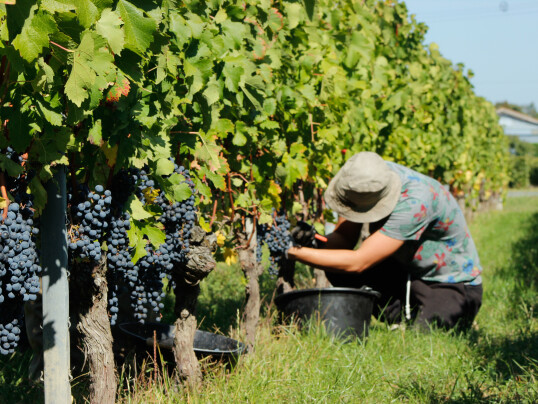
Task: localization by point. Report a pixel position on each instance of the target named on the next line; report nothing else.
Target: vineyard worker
(420, 255)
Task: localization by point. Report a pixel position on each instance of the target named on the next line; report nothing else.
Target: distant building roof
(515, 123)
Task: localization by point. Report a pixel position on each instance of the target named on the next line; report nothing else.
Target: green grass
(495, 362)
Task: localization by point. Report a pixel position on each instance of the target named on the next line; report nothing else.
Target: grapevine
(19, 261)
(277, 238)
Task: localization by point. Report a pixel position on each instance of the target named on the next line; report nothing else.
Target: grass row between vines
(495, 362)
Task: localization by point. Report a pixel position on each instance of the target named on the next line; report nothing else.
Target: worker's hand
(304, 235)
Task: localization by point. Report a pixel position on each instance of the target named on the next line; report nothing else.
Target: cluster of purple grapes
(144, 280)
(14, 156)
(90, 221)
(121, 269)
(148, 286)
(9, 336)
(178, 219)
(19, 271)
(19, 260)
(277, 237)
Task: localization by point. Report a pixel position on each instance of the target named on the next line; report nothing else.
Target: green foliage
(262, 100)
(533, 176)
(519, 172)
(523, 171)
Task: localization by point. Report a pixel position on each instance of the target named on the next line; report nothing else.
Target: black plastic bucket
(345, 311)
(205, 344)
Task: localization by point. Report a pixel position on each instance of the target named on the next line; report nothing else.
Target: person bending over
(420, 255)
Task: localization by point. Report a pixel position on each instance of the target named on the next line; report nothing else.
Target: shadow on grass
(15, 387)
(515, 354)
(525, 267)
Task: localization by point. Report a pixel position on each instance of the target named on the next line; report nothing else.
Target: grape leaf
(136, 241)
(215, 178)
(57, 6)
(34, 35)
(87, 12)
(310, 6)
(275, 20)
(136, 209)
(82, 76)
(207, 228)
(44, 77)
(179, 28)
(181, 192)
(164, 167)
(196, 24)
(252, 98)
(294, 12)
(89, 60)
(154, 235)
(232, 74)
(138, 29)
(212, 93)
(234, 33)
(53, 117)
(19, 129)
(109, 27)
(269, 106)
(95, 135)
(111, 153)
(239, 138)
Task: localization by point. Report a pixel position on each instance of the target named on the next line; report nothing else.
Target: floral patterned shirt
(438, 246)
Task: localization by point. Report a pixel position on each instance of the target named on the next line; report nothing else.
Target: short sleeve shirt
(438, 246)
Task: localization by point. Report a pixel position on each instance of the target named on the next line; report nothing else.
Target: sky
(496, 39)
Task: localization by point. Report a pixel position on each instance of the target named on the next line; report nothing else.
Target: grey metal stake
(55, 292)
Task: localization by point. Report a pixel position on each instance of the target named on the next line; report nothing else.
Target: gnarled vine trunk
(199, 264)
(252, 271)
(94, 325)
(187, 365)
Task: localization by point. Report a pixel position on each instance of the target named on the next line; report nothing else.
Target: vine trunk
(96, 335)
(252, 271)
(200, 263)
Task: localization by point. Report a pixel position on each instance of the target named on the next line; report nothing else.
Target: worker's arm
(373, 250)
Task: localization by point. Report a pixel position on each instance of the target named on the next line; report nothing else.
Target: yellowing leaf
(111, 153)
(274, 189)
(4, 203)
(204, 225)
(150, 194)
(221, 238)
(95, 136)
(230, 256)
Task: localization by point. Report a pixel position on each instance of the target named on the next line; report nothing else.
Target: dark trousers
(445, 305)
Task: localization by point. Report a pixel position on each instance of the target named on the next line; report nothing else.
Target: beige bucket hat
(365, 189)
